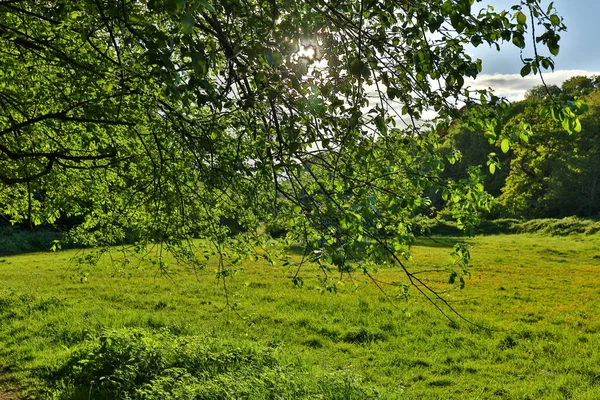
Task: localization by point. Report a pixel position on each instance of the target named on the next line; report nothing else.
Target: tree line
(552, 174)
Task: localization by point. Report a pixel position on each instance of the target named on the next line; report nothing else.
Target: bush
(560, 227)
(14, 240)
(545, 226)
(276, 229)
(137, 364)
(499, 226)
(437, 228)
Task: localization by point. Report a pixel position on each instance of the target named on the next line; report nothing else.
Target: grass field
(102, 332)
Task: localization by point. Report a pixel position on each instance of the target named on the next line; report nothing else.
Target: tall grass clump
(559, 227)
(138, 364)
(544, 226)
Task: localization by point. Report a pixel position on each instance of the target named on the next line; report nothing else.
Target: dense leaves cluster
(157, 121)
(551, 173)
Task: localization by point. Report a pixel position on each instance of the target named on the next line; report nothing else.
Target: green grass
(109, 332)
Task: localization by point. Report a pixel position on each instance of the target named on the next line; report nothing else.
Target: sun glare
(310, 56)
(307, 52)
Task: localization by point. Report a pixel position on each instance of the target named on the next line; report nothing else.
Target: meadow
(109, 331)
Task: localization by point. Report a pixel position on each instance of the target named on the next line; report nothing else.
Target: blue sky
(579, 52)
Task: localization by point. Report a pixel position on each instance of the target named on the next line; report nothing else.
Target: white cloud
(514, 87)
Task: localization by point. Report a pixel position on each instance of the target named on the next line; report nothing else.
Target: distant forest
(553, 174)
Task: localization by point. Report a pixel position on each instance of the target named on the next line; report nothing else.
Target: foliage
(548, 173)
(555, 174)
(578, 86)
(15, 241)
(137, 364)
(158, 121)
(546, 226)
(560, 227)
(474, 149)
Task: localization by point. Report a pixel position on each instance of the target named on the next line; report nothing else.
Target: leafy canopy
(155, 121)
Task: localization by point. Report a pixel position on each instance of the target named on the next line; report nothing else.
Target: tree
(541, 92)
(570, 89)
(581, 85)
(554, 174)
(156, 120)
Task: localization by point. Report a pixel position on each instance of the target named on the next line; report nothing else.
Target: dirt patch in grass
(10, 393)
(8, 389)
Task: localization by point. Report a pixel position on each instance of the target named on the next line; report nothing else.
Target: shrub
(14, 240)
(546, 226)
(276, 228)
(137, 364)
(558, 227)
(499, 226)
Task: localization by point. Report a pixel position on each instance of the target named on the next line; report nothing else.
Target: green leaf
(365, 71)
(526, 70)
(199, 64)
(359, 68)
(277, 59)
(391, 92)
(521, 18)
(207, 6)
(381, 125)
(268, 56)
(577, 127)
(566, 123)
(447, 7)
(187, 24)
(505, 146)
(518, 40)
(344, 224)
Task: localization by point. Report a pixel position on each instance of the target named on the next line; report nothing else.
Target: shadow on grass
(445, 242)
(421, 241)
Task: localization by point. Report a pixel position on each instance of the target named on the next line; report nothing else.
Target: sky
(579, 50)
